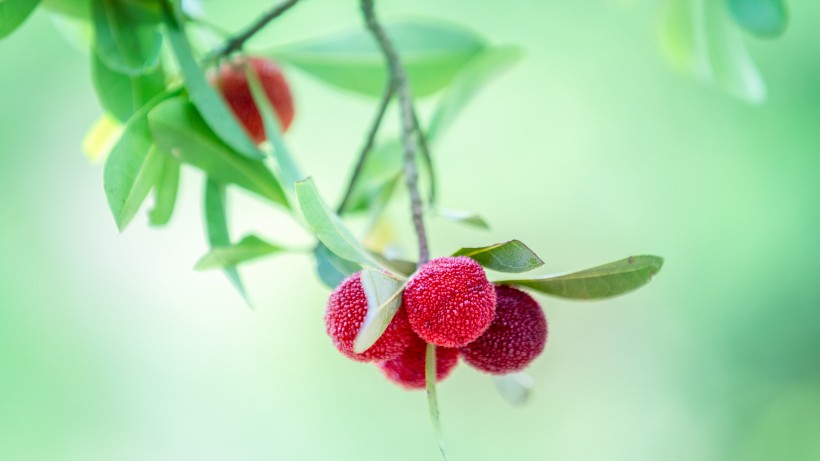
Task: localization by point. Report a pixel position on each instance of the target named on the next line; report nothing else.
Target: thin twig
(398, 79)
(238, 41)
(368, 145)
(421, 138)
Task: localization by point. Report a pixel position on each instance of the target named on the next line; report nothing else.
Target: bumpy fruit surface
(450, 302)
(233, 84)
(516, 337)
(346, 309)
(407, 370)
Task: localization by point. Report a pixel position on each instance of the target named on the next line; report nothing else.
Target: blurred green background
(591, 149)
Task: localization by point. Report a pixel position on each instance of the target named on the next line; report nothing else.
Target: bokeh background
(591, 149)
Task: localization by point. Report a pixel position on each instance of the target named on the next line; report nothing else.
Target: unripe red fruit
(232, 82)
(346, 309)
(449, 301)
(407, 370)
(516, 337)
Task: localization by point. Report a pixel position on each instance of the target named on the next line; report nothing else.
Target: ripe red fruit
(346, 309)
(516, 337)
(232, 82)
(450, 302)
(407, 370)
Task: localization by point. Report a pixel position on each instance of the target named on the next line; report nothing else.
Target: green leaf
(216, 224)
(515, 388)
(210, 104)
(700, 38)
(432, 53)
(764, 18)
(179, 129)
(464, 217)
(126, 39)
(290, 171)
(123, 94)
(332, 270)
(511, 256)
(599, 282)
(13, 13)
(249, 248)
(165, 191)
(76, 8)
(132, 168)
(480, 71)
(383, 292)
(377, 179)
(329, 228)
(430, 376)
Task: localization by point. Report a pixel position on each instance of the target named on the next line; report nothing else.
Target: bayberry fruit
(346, 309)
(407, 370)
(233, 84)
(516, 337)
(450, 302)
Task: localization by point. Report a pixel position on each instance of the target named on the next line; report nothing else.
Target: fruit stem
(236, 42)
(368, 146)
(398, 79)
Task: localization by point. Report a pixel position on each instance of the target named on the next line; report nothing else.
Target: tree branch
(236, 42)
(368, 146)
(398, 79)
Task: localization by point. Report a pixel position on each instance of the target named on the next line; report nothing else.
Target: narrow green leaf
(480, 71)
(398, 265)
(210, 104)
(599, 282)
(383, 292)
(132, 168)
(432, 53)
(377, 178)
(101, 138)
(216, 224)
(13, 13)
(126, 39)
(77, 8)
(165, 191)
(764, 18)
(430, 375)
(329, 228)
(178, 128)
(332, 270)
(249, 248)
(464, 217)
(515, 388)
(123, 94)
(512, 256)
(290, 171)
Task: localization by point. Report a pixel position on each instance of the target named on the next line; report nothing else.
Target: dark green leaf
(290, 171)
(132, 168)
(764, 18)
(165, 191)
(123, 94)
(329, 228)
(249, 248)
(209, 103)
(383, 294)
(178, 128)
(75, 8)
(13, 13)
(467, 84)
(598, 282)
(332, 270)
(126, 38)
(512, 256)
(515, 388)
(432, 52)
(463, 217)
(216, 224)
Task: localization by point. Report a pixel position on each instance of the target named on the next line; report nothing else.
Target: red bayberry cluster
(232, 82)
(450, 303)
